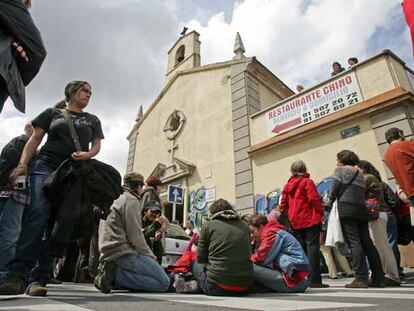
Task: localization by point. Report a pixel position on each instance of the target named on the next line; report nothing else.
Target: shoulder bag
(72, 130)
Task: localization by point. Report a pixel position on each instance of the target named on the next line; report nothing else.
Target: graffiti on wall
(197, 207)
(264, 204)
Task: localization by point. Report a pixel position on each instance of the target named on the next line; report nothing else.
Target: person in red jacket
(280, 262)
(301, 201)
(399, 158)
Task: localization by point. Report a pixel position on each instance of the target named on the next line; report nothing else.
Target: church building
(231, 129)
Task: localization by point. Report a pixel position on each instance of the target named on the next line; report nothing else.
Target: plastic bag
(334, 234)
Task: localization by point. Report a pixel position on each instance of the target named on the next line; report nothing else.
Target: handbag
(373, 208)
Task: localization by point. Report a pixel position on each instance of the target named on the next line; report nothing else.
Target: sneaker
(357, 283)
(179, 283)
(36, 289)
(318, 285)
(390, 282)
(106, 275)
(11, 286)
(191, 287)
(378, 284)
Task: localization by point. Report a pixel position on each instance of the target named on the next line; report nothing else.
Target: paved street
(75, 297)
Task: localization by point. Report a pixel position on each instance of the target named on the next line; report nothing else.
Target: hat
(133, 177)
(153, 206)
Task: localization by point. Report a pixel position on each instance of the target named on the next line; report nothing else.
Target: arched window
(179, 56)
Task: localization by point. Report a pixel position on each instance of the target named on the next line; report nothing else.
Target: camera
(20, 183)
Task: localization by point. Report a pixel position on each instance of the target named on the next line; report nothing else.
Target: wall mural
(197, 207)
(264, 204)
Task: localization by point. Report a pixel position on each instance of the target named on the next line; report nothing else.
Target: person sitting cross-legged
(223, 266)
(127, 262)
(280, 263)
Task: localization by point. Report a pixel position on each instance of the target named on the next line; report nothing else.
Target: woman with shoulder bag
(377, 214)
(348, 189)
(59, 147)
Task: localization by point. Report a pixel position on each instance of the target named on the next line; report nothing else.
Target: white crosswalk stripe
(314, 299)
(27, 303)
(268, 302)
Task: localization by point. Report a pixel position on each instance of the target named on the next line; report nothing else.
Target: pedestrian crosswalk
(61, 298)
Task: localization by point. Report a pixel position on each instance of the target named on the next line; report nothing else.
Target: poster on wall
(210, 194)
(315, 104)
(197, 207)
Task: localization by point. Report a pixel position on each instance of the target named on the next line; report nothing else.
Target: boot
(105, 277)
(357, 283)
(11, 286)
(36, 289)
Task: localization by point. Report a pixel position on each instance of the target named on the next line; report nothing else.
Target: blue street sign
(175, 194)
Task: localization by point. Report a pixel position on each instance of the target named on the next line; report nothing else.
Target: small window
(179, 56)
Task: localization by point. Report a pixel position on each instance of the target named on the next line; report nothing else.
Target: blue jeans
(140, 273)
(35, 218)
(11, 214)
(392, 232)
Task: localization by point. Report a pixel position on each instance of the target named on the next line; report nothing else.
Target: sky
(120, 47)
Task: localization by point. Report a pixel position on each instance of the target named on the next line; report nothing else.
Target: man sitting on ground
(126, 259)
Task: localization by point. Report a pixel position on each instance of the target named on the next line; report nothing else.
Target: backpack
(10, 157)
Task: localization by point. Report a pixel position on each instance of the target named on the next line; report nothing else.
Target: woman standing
(348, 189)
(301, 201)
(59, 147)
(378, 227)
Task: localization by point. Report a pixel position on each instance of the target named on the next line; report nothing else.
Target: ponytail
(61, 105)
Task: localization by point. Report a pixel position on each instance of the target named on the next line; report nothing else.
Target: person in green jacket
(223, 266)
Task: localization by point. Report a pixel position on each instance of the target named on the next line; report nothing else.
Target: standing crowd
(124, 229)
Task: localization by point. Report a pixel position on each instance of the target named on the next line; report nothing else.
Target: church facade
(231, 129)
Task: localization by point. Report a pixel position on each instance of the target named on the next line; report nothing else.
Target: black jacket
(9, 158)
(350, 195)
(17, 25)
(390, 198)
(78, 191)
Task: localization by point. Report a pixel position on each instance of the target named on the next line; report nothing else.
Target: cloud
(118, 46)
(121, 46)
(297, 39)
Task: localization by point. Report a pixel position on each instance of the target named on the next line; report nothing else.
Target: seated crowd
(77, 223)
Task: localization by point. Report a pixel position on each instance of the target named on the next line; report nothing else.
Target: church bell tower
(184, 54)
